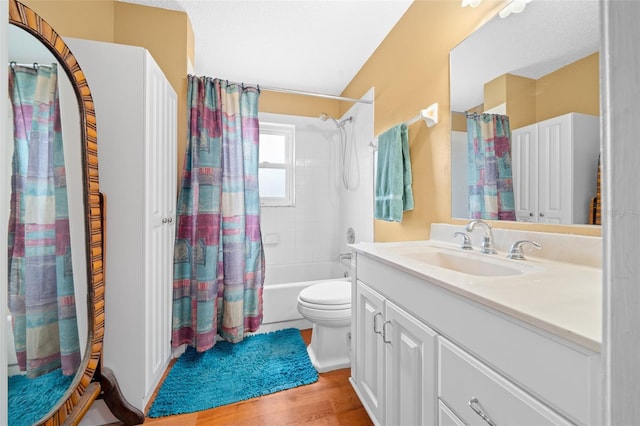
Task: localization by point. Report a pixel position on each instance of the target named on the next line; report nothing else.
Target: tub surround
(522, 337)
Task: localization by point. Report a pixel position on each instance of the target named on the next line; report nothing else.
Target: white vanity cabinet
(136, 111)
(420, 331)
(395, 369)
(554, 164)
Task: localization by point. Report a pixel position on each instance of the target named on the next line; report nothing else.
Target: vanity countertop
(564, 299)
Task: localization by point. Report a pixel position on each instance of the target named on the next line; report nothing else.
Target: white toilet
(327, 305)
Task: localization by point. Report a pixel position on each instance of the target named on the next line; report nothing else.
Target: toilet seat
(328, 295)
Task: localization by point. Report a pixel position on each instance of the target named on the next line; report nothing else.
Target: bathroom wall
(410, 70)
(127, 23)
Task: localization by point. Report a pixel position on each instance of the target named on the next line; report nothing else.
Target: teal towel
(393, 179)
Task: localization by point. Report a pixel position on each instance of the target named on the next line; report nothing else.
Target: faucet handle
(466, 241)
(515, 252)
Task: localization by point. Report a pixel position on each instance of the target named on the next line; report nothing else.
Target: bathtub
(282, 285)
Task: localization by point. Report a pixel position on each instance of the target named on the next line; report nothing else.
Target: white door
(160, 197)
(554, 170)
(411, 369)
(369, 357)
(524, 163)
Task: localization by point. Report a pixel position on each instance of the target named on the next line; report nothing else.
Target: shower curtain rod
(317, 95)
(34, 65)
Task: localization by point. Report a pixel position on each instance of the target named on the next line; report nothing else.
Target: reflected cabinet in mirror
(525, 138)
(55, 234)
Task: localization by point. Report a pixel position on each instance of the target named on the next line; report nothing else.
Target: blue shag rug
(30, 399)
(259, 365)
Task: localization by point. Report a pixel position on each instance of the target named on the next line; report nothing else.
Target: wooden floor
(329, 401)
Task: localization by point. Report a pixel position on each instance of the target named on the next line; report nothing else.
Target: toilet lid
(327, 293)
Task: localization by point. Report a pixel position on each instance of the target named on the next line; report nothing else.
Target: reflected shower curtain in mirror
(218, 258)
(489, 170)
(41, 292)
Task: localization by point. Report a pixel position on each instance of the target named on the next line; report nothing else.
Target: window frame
(288, 131)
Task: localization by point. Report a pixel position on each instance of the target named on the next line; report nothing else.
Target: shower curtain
(489, 167)
(41, 292)
(218, 258)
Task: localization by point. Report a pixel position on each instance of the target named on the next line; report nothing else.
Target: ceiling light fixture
(472, 3)
(514, 6)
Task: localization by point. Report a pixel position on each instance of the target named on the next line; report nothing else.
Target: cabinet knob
(531, 214)
(170, 220)
(477, 408)
(541, 214)
(164, 220)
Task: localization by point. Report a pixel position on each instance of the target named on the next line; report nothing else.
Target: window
(276, 168)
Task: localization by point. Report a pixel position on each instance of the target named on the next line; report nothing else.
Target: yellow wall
(92, 20)
(138, 25)
(284, 103)
(131, 24)
(521, 101)
(495, 92)
(410, 70)
(574, 88)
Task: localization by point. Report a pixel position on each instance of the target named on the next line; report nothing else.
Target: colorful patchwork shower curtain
(219, 258)
(41, 292)
(489, 168)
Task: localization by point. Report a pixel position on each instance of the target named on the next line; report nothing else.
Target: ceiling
(311, 45)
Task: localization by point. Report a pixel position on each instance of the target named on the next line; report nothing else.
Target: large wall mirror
(533, 67)
(60, 397)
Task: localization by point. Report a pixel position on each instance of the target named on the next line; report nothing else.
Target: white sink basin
(468, 264)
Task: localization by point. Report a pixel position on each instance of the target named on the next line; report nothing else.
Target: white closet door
(555, 170)
(158, 178)
(524, 161)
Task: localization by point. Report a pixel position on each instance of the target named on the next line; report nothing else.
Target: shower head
(324, 117)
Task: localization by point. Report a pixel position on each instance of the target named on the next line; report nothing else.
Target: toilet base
(330, 348)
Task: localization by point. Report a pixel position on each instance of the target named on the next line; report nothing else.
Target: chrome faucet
(516, 249)
(487, 241)
(466, 241)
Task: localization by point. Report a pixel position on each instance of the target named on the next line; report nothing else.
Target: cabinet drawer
(446, 416)
(462, 377)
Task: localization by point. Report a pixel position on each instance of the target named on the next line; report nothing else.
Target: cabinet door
(524, 161)
(410, 364)
(369, 356)
(554, 170)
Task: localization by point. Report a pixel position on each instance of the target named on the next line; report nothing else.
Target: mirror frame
(83, 390)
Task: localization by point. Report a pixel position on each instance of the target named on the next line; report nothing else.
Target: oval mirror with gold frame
(91, 380)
